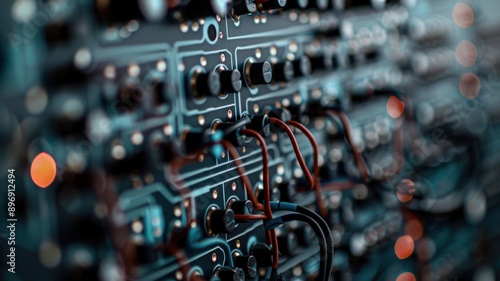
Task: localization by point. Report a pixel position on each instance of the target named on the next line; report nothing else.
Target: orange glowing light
(43, 170)
(395, 107)
(463, 15)
(404, 247)
(406, 276)
(469, 85)
(466, 53)
(414, 228)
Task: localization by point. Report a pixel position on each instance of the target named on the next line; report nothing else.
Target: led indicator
(43, 170)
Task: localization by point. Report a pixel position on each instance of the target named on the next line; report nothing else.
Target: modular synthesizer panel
(249, 140)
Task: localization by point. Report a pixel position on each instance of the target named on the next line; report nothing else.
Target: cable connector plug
(279, 113)
(231, 133)
(260, 123)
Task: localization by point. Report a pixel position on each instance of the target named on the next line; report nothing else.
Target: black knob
(200, 9)
(318, 4)
(334, 61)
(204, 84)
(356, 3)
(305, 235)
(258, 73)
(169, 150)
(230, 81)
(319, 63)
(297, 4)
(281, 277)
(227, 273)
(130, 96)
(360, 3)
(248, 264)
(283, 71)
(260, 123)
(275, 194)
(352, 59)
(288, 243)
(333, 30)
(242, 207)
(244, 7)
(302, 66)
(263, 254)
(194, 140)
(58, 31)
(152, 10)
(146, 253)
(220, 221)
(371, 55)
(272, 5)
(280, 113)
(287, 191)
(114, 11)
(160, 100)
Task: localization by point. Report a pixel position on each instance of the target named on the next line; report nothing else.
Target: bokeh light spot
(406, 276)
(469, 85)
(405, 190)
(395, 107)
(426, 248)
(466, 53)
(43, 170)
(463, 16)
(404, 247)
(414, 228)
